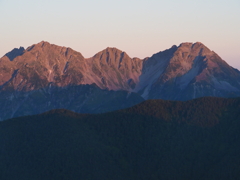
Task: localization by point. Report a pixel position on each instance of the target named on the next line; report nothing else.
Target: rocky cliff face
(114, 69)
(45, 64)
(46, 76)
(192, 71)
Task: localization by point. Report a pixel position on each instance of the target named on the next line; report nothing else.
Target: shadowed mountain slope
(154, 140)
(15, 52)
(81, 98)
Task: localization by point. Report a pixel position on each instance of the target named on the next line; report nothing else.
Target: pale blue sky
(139, 27)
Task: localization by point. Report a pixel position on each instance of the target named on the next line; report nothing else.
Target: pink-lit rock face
(45, 63)
(113, 69)
(190, 68)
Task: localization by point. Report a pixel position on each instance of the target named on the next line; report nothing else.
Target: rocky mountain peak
(197, 48)
(15, 52)
(112, 49)
(43, 63)
(39, 46)
(114, 69)
(114, 58)
(43, 43)
(109, 52)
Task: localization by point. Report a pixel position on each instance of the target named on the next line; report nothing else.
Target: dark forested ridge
(197, 139)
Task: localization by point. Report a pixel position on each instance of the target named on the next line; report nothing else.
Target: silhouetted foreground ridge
(197, 139)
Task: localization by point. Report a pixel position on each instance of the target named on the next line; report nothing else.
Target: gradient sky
(138, 27)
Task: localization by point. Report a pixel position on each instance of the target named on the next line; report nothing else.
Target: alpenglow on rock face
(186, 72)
(44, 64)
(47, 76)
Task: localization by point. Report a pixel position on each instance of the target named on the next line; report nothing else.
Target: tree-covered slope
(156, 139)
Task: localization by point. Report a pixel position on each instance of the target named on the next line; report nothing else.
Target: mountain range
(156, 139)
(46, 76)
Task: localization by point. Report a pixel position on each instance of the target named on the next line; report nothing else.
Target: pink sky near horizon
(138, 27)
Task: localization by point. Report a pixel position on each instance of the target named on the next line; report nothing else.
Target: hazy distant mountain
(157, 139)
(43, 77)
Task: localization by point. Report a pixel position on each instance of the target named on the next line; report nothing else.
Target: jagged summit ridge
(51, 64)
(46, 76)
(195, 71)
(189, 65)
